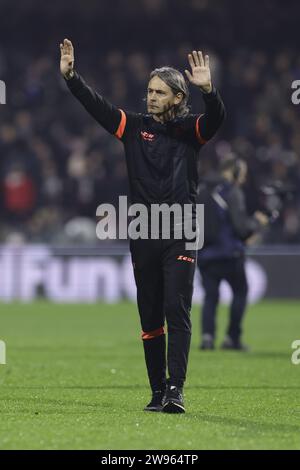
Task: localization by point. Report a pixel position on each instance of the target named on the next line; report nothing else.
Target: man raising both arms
(161, 148)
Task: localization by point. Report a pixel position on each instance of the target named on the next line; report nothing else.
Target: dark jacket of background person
(227, 223)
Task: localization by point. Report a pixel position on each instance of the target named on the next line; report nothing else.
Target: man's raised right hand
(66, 58)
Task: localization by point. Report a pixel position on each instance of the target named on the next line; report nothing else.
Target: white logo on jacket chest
(146, 136)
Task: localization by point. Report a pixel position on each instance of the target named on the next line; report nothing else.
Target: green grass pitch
(75, 379)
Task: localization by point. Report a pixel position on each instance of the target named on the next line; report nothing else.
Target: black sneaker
(173, 401)
(156, 403)
(207, 343)
(230, 344)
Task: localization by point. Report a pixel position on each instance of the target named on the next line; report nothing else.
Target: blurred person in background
(227, 227)
(19, 193)
(161, 150)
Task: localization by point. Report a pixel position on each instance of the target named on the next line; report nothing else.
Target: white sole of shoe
(172, 407)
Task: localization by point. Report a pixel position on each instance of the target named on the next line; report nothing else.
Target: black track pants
(212, 273)
(164, 272)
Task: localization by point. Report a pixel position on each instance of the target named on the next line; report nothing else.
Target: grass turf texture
(75, 379)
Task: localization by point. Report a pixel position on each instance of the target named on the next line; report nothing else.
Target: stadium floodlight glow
(2, 352)
(2, 92)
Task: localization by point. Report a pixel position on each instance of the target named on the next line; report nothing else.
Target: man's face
(160, 97)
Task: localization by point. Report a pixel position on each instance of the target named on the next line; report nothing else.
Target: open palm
(66, 57)
(200, 72)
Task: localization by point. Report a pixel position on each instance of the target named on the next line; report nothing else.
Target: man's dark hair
(175, 80)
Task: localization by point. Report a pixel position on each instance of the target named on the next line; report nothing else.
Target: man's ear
(178, 98)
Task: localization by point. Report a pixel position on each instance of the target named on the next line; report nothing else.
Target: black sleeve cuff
(72, 82)
(210, 96)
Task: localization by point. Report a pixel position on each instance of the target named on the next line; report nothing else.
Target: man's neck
(165, 117)
(158, 119)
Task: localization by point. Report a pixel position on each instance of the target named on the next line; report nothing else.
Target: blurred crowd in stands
(57, 164)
